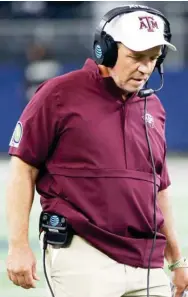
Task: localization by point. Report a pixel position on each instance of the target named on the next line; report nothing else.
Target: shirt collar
(106, 82)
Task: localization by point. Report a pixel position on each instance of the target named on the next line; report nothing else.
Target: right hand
(21, 267)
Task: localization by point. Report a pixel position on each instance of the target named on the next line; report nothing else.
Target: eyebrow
(137, 55)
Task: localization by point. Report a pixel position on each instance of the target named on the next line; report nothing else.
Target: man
(81, 140)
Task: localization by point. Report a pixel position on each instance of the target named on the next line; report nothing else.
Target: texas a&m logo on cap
(149, 23)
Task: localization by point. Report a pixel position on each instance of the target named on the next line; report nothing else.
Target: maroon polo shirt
(95, 169)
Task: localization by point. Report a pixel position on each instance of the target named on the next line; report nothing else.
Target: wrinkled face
(133, 69)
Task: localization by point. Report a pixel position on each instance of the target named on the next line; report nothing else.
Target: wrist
(172, 253)
(181, 263)
(18, 244)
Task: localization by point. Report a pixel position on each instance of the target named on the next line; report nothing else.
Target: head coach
(93, 143)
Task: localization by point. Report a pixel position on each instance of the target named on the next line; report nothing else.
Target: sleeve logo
(17, 135)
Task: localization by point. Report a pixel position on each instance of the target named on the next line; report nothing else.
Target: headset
(105, 50)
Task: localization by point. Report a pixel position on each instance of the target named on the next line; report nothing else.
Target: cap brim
(142, 46)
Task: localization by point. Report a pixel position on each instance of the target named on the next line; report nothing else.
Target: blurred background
(42, 39)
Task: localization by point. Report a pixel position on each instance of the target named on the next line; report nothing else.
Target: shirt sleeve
(35, 132)
(164, 174)
(165, 179)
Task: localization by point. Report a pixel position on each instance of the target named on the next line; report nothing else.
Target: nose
(145, 67)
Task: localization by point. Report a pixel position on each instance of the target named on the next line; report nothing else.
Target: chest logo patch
(149, 120)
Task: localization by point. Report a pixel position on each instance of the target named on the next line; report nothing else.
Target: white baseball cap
(138, 30)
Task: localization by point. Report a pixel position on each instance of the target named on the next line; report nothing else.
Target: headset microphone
(147, 92)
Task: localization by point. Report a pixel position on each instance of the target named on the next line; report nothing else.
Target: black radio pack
(57, 230)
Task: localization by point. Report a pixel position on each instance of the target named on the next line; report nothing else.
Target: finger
(178, 293)
(9, 275)
(21, 280)
(14, 279)
(35, 276)
(29, 280)
(26, 283)
(26, 286)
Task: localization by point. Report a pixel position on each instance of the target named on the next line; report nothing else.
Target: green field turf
(178, 168)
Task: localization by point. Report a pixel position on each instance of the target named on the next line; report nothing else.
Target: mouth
(138, 80)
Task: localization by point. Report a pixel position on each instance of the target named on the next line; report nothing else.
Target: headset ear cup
(98, 53)
(101, 48)
(111, 52)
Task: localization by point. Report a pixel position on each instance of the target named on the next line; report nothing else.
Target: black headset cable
(154, 195)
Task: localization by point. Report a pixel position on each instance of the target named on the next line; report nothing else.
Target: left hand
(180, 280)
